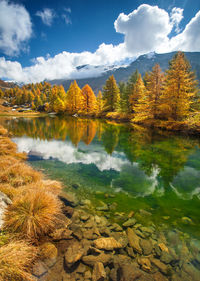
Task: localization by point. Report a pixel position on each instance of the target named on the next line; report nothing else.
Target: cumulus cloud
(47, 16)
(146, 29)
(189, 39)
(15, 27)
(176, 17)
(63, 65)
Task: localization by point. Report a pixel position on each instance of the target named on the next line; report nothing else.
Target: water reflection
(146, 162)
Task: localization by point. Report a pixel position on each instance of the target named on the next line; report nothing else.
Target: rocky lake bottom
(93, 247)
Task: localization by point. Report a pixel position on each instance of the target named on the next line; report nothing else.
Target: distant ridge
(142, 64)
(6, 85)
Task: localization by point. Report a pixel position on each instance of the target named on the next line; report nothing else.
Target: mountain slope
(142, 64)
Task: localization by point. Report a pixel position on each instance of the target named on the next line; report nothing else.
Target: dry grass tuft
(3, 131)
(16, 259)
(52, 186)
(19, 174)
(7, 189)
(9, 148)
(33, 214)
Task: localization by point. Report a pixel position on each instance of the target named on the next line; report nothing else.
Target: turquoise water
(132, 167)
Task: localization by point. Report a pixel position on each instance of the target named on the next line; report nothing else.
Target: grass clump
(9, 190)
(3, 131)
(32, 214)
(16, 259)
(7, 147)
(51, 186)
(18, 174)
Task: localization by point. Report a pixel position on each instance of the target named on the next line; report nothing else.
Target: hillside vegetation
(167, 100)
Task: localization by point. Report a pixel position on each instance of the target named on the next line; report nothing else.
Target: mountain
(6, 85)
(142, 64)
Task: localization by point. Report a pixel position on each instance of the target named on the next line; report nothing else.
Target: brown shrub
(16, 259)
(33, 214)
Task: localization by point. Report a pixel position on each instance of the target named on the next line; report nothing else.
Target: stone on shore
(4, 202)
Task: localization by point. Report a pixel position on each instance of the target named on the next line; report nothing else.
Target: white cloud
(47, 16)
(146, 29)
(63, 65)
(66, 15)
(15, 27)
(189, 39)
(176, 17)
(67, 18)
(68, 10)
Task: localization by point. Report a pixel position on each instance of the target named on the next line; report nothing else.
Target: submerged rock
(61, 234)
(107, 243)
(161, 266)
(91, 259)
(129, 222)
(146, 246)
(98, 273)
(134, 240)
(48, 253)
(69, 198)
(74, 253)
(186, 220)
(166, 257)
(39, 269)
(145, 264)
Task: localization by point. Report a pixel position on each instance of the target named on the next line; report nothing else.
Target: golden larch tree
(74, 99)
(179, 89)
(137, 95)
(99, 106)
(111, 95)
(89, 100)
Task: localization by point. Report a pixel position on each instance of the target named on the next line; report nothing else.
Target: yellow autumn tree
(89, 100)
(74, 99)
(111, 95)
(99, 106)
(179, 89)
(138, 95)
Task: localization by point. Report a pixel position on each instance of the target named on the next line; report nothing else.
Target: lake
(129, 168)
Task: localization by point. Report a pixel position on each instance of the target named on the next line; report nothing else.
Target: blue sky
(48, 39)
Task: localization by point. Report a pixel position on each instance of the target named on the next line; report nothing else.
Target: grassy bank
(31, 215)
(7, 111)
